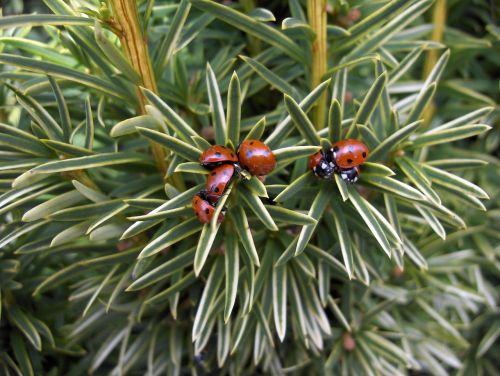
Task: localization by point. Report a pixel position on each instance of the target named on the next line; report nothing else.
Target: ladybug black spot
(364, 154)
(207, 211)
(217, 154)
(336, 149)
(213, 173)
(251, 142)
(216, 189)
(349, 161)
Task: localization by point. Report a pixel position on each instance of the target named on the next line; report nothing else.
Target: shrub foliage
(104, 267)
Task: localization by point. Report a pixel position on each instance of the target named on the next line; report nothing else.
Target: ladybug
(348, 153)
(350, 175)
(321, 167)
(218, 180)
(203, 209)
(256, 157)
(216, 155)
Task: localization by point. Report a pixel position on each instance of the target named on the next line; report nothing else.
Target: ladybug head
(203, 194)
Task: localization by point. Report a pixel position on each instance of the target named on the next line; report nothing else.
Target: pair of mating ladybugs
(224, 164)
(344, 158)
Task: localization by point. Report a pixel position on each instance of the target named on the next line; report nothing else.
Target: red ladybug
(315, 159)
(348, 153)
(321, 167)
(256, 157)
(217, 181)
(203, 209)
(216, 155)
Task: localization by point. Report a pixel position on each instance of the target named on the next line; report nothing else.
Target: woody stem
(126, 21)
(316, 10)
(439, 21)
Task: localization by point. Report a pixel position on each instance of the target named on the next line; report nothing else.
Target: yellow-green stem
(316, 11)
(439, 21)
(126, 22)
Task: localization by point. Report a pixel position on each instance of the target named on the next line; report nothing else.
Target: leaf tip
(197, 270)
(327, 82)
(130, 288)
(141, 255)
(27, 217)
(144, 90)
(281, 336)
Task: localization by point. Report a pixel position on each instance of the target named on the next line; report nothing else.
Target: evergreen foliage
(105, 108)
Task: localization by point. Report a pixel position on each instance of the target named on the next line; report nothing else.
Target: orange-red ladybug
(216, 155)
(203, 209)
(321, 167)
(315, 159)
(256, 157)
(217, 181)
(348, 153)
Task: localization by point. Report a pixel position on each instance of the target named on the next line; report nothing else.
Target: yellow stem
(316, 11)
(126, 22)
(439, 21)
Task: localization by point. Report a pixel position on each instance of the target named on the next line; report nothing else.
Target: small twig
(439, 21)
(126, 21)
(316, 10)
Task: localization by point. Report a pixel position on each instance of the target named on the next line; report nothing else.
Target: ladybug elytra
(256, 157)
(217, 181)
(225, 164)
(349, 153)
(216, 155)
(203, 209)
